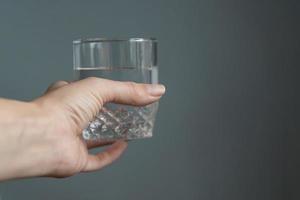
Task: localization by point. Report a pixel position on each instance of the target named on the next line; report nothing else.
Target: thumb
(129, 93)
(85, 98)
(56, 85)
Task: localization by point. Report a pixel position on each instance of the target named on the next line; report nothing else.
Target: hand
(43, 137)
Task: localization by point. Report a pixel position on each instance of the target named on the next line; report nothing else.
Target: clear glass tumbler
(133, 59)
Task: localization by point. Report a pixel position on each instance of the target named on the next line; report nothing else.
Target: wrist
(26, 145)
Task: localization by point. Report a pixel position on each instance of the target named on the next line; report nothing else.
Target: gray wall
(227, 127)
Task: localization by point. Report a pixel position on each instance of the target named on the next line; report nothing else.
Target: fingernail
(156, 89)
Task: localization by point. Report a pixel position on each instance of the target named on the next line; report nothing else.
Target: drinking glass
(133, 59)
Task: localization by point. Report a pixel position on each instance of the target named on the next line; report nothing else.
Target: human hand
(48, 142)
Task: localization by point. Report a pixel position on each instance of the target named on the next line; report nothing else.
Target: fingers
(97, 143)
(102, 159)
(129, 93)
(56, 85)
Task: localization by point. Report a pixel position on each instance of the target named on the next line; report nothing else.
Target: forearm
(22, 138)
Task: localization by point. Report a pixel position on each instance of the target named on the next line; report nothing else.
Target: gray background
(228, 126)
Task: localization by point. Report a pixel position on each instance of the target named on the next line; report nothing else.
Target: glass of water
(133, 59)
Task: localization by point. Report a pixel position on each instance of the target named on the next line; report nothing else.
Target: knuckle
(105, 157)
(61, 82)
(131, 84)
(135, 91)
(92, 79)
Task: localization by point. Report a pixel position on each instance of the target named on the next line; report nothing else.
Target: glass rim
(95, 40)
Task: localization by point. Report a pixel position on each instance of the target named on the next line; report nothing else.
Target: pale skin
(43, 137)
